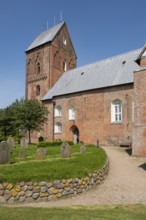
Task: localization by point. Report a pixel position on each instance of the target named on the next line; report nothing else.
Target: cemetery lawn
(53, 167)
(118, 212)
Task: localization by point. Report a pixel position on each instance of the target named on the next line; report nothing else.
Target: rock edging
(47, 191)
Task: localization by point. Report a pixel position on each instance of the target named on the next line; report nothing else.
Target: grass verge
(131, 212)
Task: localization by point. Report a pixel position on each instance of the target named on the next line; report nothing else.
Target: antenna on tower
(54, 20)
(60, 15)
(47, 24)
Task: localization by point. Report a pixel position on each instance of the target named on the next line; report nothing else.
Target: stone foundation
(47, 191)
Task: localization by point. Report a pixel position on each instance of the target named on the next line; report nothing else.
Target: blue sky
(98, 28)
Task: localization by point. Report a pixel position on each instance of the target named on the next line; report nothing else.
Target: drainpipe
(54, 103)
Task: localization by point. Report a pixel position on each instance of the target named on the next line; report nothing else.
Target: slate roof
(46, 36)
(112, 71)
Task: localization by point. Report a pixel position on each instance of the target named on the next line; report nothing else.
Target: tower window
(38, 90)
(38, 68)
(64, 40)
(64, 65)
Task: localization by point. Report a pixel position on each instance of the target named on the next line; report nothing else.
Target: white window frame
(58, 128)
(58, 111)
(116, 111)
(71, 113)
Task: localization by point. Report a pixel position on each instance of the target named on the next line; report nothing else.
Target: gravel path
(125, 183)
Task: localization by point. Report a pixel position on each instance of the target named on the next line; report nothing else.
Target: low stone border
(43, 191)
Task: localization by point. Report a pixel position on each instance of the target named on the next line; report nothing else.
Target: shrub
(53, 143)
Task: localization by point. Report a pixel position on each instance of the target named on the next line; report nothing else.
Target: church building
(101, 102)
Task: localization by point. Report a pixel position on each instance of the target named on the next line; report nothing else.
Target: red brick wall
(139, 133)
(50, 71)
(93, 116)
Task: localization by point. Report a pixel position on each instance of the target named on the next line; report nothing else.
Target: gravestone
(4, 153)
(24, 142)
(22, 154)
(11, 142)
(83, 149)
(65, 150)
(40, 154)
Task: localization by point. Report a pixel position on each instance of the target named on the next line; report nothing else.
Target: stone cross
(83, 149)
(40, 154)
(22, 154)
(11, 142)
(4, 153)
(65, 150)
(24, 142)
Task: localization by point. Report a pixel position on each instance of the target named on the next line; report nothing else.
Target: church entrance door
(75, 132)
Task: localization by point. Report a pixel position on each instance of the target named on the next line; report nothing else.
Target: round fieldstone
(2, 200)
(35, 195)
(28, 193)
(22, 198)
(1, 186)
(22, 184)
(44, 189)
(1, 192)
(11, 200)
(42, 183)
(49, 185)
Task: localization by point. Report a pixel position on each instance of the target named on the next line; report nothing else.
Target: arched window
(38, 68)
(64, 65)
(58, 111)
(38, 90)
(71, 113)
(58, 128)
(57, 60)
(116, 111)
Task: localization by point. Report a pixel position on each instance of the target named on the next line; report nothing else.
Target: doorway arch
(75, 134)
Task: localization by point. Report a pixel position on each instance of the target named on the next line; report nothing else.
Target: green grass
(53, 167)
(133, 212)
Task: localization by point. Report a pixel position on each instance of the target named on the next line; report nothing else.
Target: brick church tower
(49, 55)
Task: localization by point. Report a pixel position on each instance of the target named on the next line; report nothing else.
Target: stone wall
(47, 191)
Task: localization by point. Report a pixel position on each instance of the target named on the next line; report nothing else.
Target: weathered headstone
(22, 154)
(24, 142)
(40, 154)
(65, 150)
(4, 153)
(83, 149)
(11, 142)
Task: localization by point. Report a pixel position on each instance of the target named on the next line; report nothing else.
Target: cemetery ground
(53, 167)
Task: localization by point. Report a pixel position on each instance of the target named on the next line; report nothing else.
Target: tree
(31, 115)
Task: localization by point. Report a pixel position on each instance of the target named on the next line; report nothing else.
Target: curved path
(125, 183)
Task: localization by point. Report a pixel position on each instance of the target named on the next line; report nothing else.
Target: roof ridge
(99, 61)
(59, 24)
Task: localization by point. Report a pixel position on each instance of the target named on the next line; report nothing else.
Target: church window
(71, 113)
(58, 111)
(64, 40)
(64, 65)
(58, 128)
(116, 111)
(38, 89)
